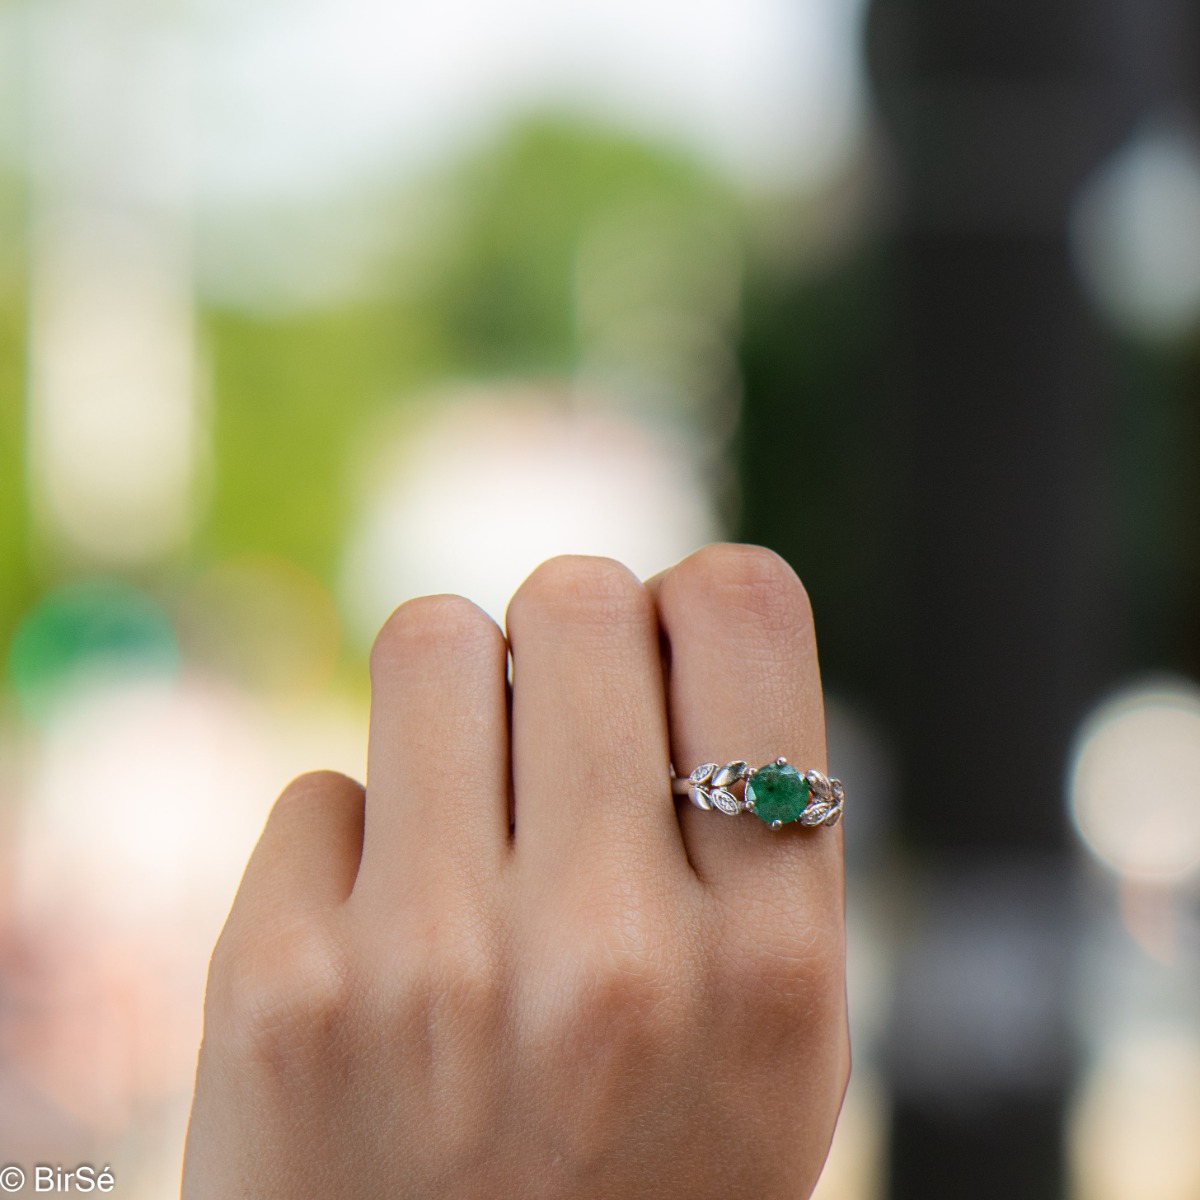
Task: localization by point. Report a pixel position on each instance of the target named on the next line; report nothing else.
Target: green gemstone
(779, 793)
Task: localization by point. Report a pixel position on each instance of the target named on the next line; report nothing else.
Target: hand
(620, 996)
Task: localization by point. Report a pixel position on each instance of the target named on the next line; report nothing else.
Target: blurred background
(309, 308)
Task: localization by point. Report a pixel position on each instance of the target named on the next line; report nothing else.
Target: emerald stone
(778, 793)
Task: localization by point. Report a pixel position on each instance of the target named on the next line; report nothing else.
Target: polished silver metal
(711, 786)
(828, 798)
(731, 772)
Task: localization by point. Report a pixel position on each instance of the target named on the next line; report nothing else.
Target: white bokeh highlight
(499, 481)
(1132, 1134)
(301, 98)
(117, 427)
(1134, 783)
(1136, 233)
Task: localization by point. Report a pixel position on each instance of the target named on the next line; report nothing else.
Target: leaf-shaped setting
(819, 784)
(702, 772)
(699, 797)
(839, 792)
(725, 800)
(731, 772)
(834, 817)
(814, 814)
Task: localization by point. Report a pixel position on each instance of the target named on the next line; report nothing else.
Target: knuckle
(467, 986)
(751, 582)
(276, 1004)
(428, 623)
(787, 969)
(629, 983)
(455, 978)
(637, 1010)
(608, 999)
(582, 590)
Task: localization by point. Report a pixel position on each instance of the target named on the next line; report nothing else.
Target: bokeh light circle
(1132, 1133)
(144, 796)
(98, 624)
(1134, 782)
(502, 478)
(263, 622)
(1133, 233)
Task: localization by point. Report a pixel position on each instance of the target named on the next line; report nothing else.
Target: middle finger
(589, 730)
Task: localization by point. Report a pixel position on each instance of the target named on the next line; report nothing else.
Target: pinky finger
(307, 857)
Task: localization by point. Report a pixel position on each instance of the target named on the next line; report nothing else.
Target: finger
(437, 754)
(589, 722)
(306, 860)
(743, 684)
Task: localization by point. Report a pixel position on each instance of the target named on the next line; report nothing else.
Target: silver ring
(776, 793)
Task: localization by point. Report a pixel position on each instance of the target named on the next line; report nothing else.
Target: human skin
(619, 996)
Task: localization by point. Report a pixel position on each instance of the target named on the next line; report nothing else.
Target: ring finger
(743, 684)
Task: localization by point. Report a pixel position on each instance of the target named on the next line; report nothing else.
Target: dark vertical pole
(996, 114)
(963, 520)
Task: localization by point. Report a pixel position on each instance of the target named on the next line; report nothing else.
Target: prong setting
(807, 798)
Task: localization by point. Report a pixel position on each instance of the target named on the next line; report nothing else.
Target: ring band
(776, 793)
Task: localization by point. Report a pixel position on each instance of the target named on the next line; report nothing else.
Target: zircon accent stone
(780, 794)
(725, 800)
